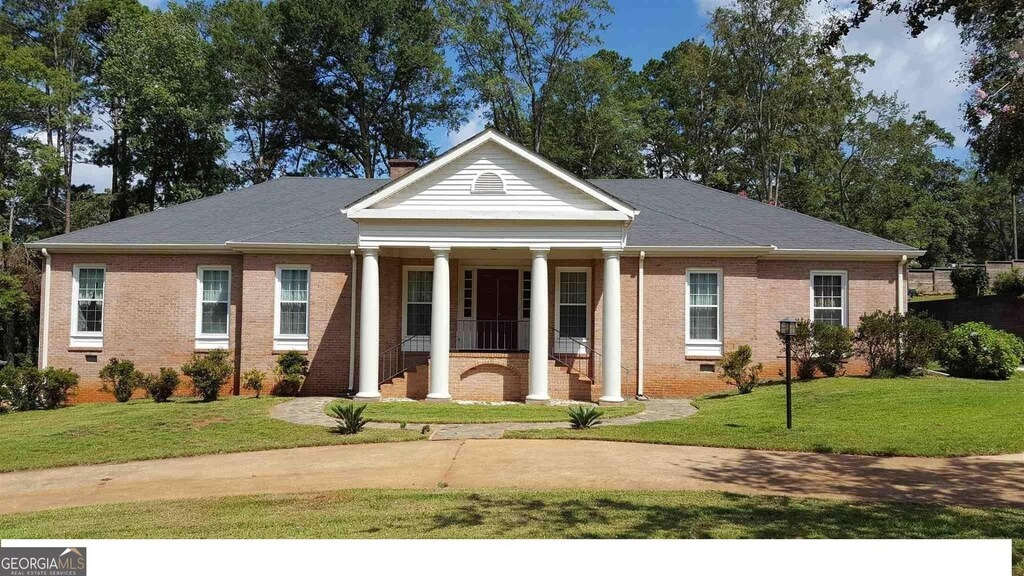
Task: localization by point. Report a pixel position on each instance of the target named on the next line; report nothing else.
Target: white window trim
(562, 344)
(846, 292)
(81, 339)
(211, 341)
(703, 348)
(419, 343)
(287, 342)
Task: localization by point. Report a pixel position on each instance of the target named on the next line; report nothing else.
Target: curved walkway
(525, 464)
(310, 410)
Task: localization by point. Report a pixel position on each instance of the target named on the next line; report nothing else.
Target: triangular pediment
(490, 177)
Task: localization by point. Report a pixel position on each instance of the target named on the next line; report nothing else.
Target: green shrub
(253, 380)
(976, 350)
(291, 370)
(161, 387)
(895, 344)
(120, 377)
(969, 282)
(28, 388)
(581, 417)
(738, 369)
(209, 372)
(349, 416)
(801, 349)
(58, 386)
(832, 347)
(1009, 283)
(293, 362)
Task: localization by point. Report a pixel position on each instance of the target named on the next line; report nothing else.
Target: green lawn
(932, 297)
(929, 416)
(143, 429)
(517, 514)
(452, 413)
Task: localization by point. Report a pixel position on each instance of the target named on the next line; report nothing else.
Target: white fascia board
(825, 254)
(353, 211)
(114, 248)
(520, 214)
(655, 251)
(288, 248)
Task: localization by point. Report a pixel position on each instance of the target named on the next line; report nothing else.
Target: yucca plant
(581, 417)
(349, 416)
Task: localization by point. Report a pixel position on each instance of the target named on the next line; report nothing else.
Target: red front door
(497, 309)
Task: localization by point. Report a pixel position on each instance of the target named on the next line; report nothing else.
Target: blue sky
(923, 70)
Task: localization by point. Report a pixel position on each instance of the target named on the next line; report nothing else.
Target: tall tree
(246, 53)
(594, 125)
(511, 52)
(173, 109)
(56, 28)
(366, 80)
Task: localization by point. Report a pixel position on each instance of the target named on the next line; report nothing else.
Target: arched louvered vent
(489, 183)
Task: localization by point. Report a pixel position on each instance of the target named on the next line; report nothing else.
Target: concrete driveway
(528, 464)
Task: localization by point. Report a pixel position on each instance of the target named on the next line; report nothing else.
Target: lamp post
(787, 328)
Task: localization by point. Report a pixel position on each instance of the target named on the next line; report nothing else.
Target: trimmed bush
(832, 347)
(1009, 283)
(349, 416)
(976, 350)
(291, 370)
(802, 349)
(209, 372)
(58, 386)
(161, 387)
(120, 378)
(737, 368)
(582, 417)
(969, 282)
(896, 344)
(253, 380)
(28, 388)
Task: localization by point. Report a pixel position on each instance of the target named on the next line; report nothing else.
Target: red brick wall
(149, 310)
(150, 316)
(330, 295)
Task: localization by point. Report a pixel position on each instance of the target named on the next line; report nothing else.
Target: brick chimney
(398, 167)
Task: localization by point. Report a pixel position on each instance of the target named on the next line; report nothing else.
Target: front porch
(513, 324)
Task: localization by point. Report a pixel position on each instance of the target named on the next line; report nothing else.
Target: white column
(440, 329)
(369, 327)
(611, 390)
(539, 327)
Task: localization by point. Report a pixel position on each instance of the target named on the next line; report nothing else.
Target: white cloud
(475, 124)
(923, 71)
(99, 176)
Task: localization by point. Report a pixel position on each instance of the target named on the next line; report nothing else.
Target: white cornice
(567, 215)
(114, 248)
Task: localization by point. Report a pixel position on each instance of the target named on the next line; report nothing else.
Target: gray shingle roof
(673, 213)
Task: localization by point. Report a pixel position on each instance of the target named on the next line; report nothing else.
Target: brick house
(487, 273)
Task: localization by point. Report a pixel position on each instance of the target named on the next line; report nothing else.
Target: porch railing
(492, 335)
(572, 353)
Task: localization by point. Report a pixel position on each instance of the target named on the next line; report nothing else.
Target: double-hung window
(828, 297)
(572, 317)
(704, 313)
(418, 296)
(88, 291)
(291, 322)
(213, 307)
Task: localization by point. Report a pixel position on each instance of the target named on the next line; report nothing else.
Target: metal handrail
(560, 357)
(393, 362)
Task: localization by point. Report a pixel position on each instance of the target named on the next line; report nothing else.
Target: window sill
(86, 341)
(207, 342)
(290, 344)
(703, 350)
